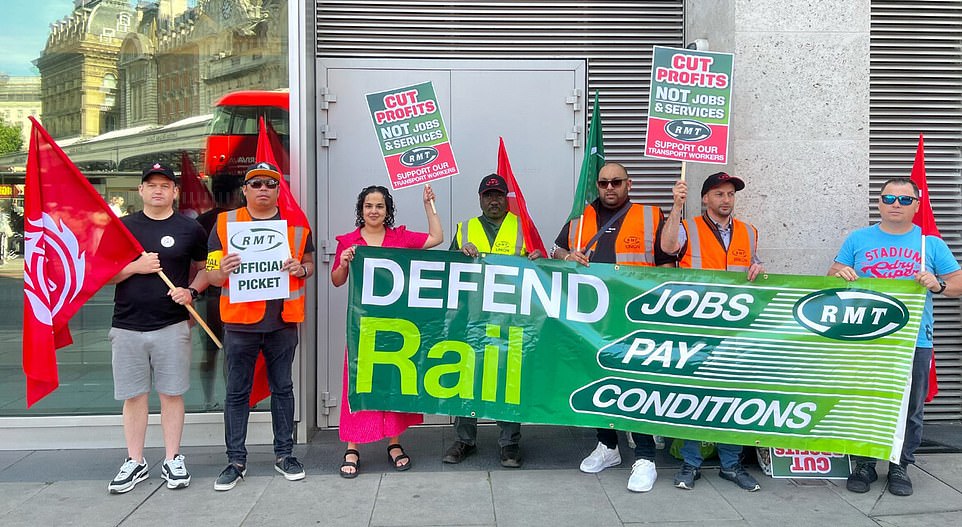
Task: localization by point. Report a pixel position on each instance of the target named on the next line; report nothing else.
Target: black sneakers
(131, 473)
(174, 471)
(229, 477)
(686, 476)
(740, 477)
(862, 478)
(458, 451)
(511, 456)
(899, 482)
(291, 468)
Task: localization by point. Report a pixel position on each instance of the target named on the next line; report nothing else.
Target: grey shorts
(165, 352)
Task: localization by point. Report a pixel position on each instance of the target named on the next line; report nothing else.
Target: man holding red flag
(893, 248)
(149, 335)
(495, 231)
(261, 325)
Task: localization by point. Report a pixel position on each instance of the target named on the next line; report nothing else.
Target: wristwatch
(193, 293)
(941, 287)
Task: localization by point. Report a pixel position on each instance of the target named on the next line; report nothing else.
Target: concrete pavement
(68, 487)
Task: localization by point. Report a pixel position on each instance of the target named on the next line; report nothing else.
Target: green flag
(587, 189)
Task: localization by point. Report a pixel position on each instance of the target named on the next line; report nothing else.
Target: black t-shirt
(272, 320)
(604, 250)
(141, 302)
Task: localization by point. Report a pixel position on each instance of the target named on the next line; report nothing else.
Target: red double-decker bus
(232, 136)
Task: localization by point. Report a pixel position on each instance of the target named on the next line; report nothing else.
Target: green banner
(800, 362)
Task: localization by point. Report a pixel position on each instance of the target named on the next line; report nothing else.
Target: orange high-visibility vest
(635, 244)
(705, 250)
(253, 312)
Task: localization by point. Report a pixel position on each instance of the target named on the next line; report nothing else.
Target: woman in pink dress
(375, 222)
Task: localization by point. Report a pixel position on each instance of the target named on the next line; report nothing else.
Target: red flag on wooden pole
(925, 219)
(73, 244)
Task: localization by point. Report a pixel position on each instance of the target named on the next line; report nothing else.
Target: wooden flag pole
(684, 166)
(192, 311)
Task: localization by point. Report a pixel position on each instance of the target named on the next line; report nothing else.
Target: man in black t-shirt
(149, 335)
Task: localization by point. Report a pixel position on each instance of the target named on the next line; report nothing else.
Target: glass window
(174, 79)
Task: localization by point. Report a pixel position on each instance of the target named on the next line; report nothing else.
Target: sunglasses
(613, 183)
(258, 183)
(905, 201)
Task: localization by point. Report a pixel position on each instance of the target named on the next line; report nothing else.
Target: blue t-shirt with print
(874, 253)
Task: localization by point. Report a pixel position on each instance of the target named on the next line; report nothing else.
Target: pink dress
(367, 426)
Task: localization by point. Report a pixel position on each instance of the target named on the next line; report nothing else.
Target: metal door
(536, 105)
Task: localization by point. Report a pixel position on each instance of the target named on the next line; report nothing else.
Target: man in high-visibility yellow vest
(496, 231)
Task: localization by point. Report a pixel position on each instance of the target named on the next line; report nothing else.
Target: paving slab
(930, 495)
(434, 498)
(80, 503)
(665, 503)
(13, 495)
(199, 504)
(702, 523)
(9, 457)
(317, 500)
(935, 519)
(947, 468)
(784, 503)
(551, 498)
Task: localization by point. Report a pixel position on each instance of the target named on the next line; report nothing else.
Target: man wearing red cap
(715, 240)
(495, 231)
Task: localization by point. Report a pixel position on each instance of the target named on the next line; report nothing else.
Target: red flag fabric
(73, 244)
(269, 150)
(195, 197)
(516, 204)
(925, 219)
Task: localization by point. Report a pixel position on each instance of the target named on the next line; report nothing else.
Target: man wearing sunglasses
(254, 327)
(614, 230)
(892, 248)
(715, 240)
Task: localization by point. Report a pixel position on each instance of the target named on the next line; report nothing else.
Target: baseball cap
(493, 182)
(161, 170)
(262, 169)
(717, 179)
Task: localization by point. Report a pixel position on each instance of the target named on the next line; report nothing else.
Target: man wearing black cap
(715, 240)
(260, 326)
(496, 231)
(612, 229)
(149, 335)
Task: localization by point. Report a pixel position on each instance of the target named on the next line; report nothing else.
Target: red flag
(195, 197)
(73, 244)
(269, 149)
(925, 219)
(532, 239)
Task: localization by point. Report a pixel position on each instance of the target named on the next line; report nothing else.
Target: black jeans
(916, 408)
(241, 350)
(644, 443)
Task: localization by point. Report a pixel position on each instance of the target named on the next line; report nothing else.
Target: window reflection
(124, 83)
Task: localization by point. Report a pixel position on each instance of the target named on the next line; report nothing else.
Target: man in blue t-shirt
(892, 248)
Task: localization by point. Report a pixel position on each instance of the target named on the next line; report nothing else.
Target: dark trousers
(644, 443)
(467, 430)
(241, 350)
(916, 408)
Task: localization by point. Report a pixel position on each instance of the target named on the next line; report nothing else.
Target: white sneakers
(643, 473)
(601, 458)
(643, 476)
